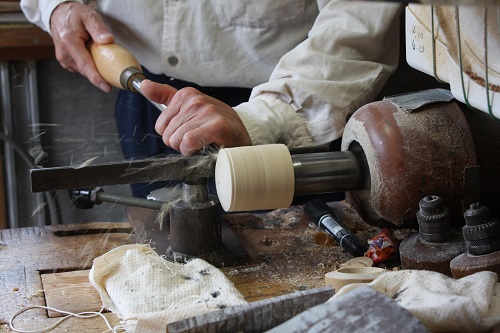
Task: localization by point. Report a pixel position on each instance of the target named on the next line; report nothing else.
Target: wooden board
(50, 264)
(25, 42)
(284, 254)
(70, 291)
(28, 253)
(9, 6)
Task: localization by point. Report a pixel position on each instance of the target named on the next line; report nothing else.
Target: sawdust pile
(285, 257)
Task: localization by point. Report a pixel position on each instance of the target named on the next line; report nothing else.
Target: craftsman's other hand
(72, 25)
(193, 120)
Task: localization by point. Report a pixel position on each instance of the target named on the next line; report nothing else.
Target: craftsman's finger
(157, 92)
(166, 95)
(99, 33)
(210, 125)
(95, 26)
(202, 131)
(195, 140)
(188, 103)
(187, 137)
(86, 66)
(77, 58)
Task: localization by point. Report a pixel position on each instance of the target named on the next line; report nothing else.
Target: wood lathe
(390, 159)
(386, 151)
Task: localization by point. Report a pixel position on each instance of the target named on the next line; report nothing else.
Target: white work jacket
(311, 63)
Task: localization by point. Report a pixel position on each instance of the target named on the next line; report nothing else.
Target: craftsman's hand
(72, 25)
(193, 120)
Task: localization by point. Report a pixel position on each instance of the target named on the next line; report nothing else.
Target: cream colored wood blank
(348, 275)
(254, 178)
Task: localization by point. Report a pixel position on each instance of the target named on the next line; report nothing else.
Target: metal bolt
(477, 214)
(431, 205)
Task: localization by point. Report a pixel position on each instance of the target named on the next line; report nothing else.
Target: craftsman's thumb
(157, 92)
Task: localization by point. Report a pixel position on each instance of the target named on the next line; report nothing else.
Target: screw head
(431, 205)
(477, 214)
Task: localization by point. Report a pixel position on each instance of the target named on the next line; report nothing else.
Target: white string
(82, 315)
(198, 297)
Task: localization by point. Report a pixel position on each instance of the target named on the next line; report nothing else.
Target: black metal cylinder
(324, 172)
(195, 229)
(433, 219)
(481, 232)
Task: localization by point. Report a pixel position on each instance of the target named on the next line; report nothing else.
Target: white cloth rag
(146, 291)
(442, 303)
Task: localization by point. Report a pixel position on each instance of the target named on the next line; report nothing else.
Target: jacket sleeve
(39, 11)
(350, 52)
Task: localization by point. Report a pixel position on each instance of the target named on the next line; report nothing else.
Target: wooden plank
(283, 252)
(9, 6)
(284, 258)
(71, 292)
(16, 35)
(28, 253)
(25, 42)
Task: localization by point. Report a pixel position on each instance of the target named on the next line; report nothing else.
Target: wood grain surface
(64, 291)
(28, 253)
(25, 42)
(50, 264)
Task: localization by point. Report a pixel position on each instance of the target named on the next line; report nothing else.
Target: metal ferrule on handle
(131, 79)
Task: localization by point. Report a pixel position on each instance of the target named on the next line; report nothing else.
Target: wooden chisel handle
(116, 64)
(119, 67)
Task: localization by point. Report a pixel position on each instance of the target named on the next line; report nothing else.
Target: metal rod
(195, 193)
(129, 201)
(33, 117)
(317, 173)
(486, 67)
(9, 157)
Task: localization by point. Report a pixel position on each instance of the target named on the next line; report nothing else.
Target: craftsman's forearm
(349, 54)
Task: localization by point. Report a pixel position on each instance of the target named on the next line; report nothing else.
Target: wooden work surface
(25, 42)
(19, 39)
(49, 265)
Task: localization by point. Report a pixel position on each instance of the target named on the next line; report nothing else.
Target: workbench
(49, 265)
